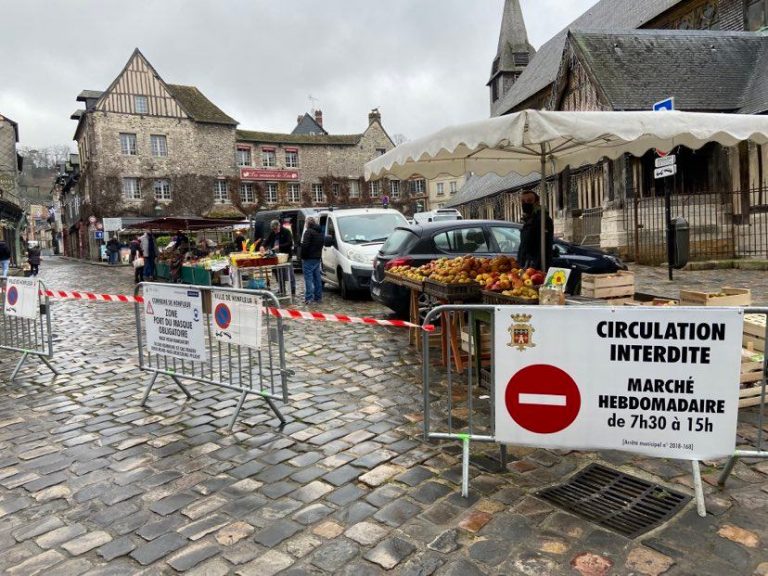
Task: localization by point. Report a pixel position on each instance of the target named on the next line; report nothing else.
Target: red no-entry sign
(543, 399)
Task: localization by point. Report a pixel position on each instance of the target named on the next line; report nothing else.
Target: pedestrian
(113, 250)
(33, 257)
(149, 250)
(5, 257)
(529, 255)
(311, 253)
(280, 240)
(137, 259)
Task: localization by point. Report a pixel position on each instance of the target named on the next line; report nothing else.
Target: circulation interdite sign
(236, 318)
(173, 318)
(661, 381)
(22, 298)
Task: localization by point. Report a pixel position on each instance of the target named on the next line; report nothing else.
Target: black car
(419, 244)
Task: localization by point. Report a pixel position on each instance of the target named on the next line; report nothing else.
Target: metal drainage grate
(613, 500)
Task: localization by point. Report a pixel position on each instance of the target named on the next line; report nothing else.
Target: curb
(92, 263)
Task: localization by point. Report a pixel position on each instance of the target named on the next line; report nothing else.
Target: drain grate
(613, 500)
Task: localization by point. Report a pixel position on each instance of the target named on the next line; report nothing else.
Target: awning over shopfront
(188, 224)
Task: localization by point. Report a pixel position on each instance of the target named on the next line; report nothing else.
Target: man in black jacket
(529, 254)
(280, 240)
(311, 253)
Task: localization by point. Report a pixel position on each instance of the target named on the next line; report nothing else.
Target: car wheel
(343, 290)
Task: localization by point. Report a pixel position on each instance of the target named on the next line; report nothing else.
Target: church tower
(512, 56)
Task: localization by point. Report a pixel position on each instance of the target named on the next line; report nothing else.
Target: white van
(352, 239)
(439, 215)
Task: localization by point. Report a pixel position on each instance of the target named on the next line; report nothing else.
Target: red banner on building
(256, 174)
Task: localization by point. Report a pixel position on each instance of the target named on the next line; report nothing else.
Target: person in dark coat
(113, 250)
(33, 257)
(529, 254)
(138, 269)
(280, 240)
(311, 253)
(5, 258)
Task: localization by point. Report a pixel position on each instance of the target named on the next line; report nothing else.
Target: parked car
(352, 239)
(419, 244)
(439, 215)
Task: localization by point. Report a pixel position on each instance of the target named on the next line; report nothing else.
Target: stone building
(624, 55)
(441, 190)
(11, 213)
(310, 167)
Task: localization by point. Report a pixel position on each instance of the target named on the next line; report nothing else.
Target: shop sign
(256, 174)
(236, 318)
(662, 382)
(22, 298)
(113, 224)
(173, 317)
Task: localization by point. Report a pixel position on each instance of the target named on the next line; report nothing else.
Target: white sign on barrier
(22, 297)
(662, 381)
(173, 317)
(236, 318)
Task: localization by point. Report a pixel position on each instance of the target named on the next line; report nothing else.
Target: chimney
(298, 118)
(319, 117)
(374, 116)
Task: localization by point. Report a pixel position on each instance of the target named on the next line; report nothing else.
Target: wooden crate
(754, 332)
(751, 378)
(484, 343)
(604, 286)
(729, 297)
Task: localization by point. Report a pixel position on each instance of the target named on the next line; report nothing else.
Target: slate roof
(756, 96)
(308, 125)
(704, 70)
(317, 139)
(77, 114)
(477, 187)
(606, 15)
(15, 125)
(89, 94)
(198, 106)
(513, 37)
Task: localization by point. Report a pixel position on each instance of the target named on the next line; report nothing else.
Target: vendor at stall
(280, 240)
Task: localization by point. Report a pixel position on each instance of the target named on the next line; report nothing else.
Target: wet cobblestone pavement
(93, 483)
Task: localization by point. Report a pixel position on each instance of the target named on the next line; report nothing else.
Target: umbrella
(524, 142)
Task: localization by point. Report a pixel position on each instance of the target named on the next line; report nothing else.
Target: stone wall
(197, 155)
(8, 171)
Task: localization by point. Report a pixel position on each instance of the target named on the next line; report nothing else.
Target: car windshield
(397, 241)
(369, 228)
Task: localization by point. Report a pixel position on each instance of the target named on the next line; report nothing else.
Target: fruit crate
(607, 286)
(726, 297)
(254, 262)
(502, 300)
(395, 279)
(469, 292)
(754, 332)
(412, 284)
(751, 378)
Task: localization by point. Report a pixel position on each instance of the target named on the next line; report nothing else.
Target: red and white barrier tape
(277, 312)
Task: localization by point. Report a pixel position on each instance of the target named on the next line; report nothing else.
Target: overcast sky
(423, 63)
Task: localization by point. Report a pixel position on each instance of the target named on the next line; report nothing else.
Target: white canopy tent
(530, 140)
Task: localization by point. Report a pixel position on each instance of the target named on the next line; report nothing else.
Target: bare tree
(399, 139)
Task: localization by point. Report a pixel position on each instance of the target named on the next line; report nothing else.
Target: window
(128, 144)
(394, 189)
(375, 189)
(454, 187)
(291, 158)
(755, 13)
(418, 187)
(271, 193)
(131, 189)
(380, 151)
(141, 104)
(354, 189)
(162, 190)
(220, 192)
(508, 239)
(317, 193)
(464, 240)
(268, 158)
(243, 156)
(159, 145)
(246, 193)
(336, 189)
(294, 192)
(440, 189)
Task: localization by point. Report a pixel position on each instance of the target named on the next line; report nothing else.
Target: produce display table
(255, 276)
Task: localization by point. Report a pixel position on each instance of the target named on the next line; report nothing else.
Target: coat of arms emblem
(521, 332)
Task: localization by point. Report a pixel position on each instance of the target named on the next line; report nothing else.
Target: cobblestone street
(93, 483)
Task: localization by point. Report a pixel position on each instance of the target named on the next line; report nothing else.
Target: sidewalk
(654, 280)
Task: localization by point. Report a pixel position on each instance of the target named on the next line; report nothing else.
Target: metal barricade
(759, 451)
(31, 337)
(463, 408)
(249, 371)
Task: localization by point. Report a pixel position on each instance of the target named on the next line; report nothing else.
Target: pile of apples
(408, 272)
